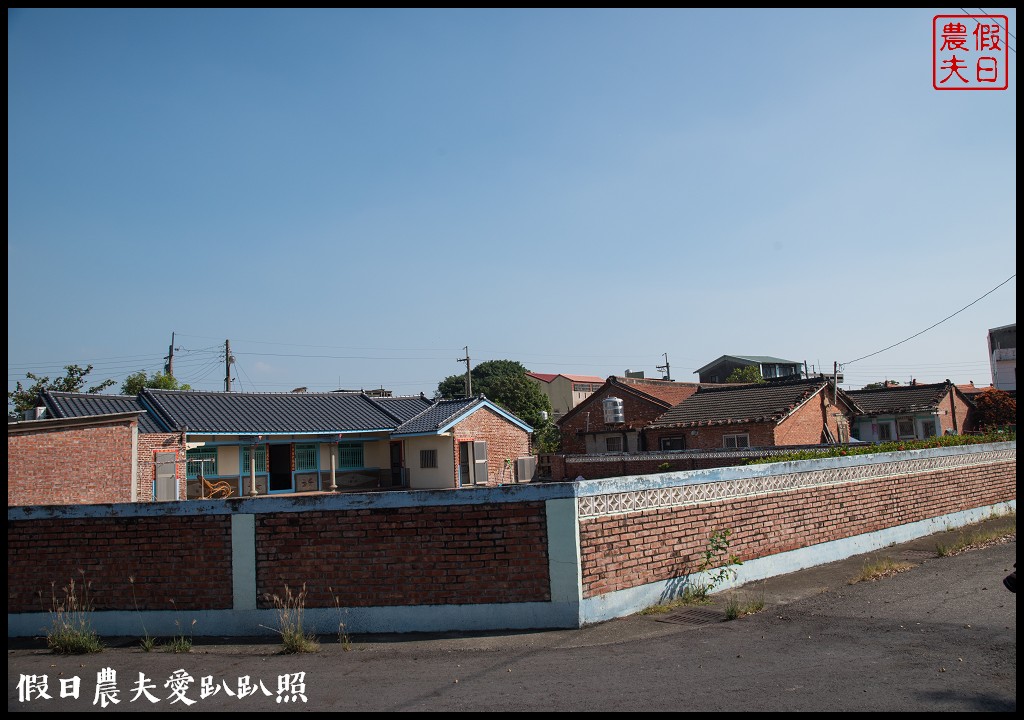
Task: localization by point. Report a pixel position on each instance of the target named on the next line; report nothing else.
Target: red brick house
(642, 401)
(97, 458)
(907, 412)
(796, 412)
(160, 460)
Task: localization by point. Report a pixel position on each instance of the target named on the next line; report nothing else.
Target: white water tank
(613, 410)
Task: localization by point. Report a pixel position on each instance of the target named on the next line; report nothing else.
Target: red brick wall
(71, 465)
(186, 559)
(406, 556)
(149, 445)
(638, 413)
(504, 440)
(624, 551)
(964, 415)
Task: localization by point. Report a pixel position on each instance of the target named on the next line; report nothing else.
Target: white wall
(443, 476)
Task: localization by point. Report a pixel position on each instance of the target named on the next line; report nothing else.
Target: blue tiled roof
(260, 413)
(402, 408)
(70, 405)
(436, 416)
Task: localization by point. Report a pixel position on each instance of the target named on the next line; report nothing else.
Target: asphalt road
(939, 637)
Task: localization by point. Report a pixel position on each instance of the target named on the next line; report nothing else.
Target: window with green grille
(261, 459)
(306, 457)
(350, 455)
(201, 460)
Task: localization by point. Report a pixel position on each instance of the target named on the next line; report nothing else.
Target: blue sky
(353, 196)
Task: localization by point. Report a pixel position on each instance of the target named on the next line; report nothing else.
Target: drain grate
(694, 617)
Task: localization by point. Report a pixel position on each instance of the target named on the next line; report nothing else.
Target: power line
(997, 23)
(850, 362)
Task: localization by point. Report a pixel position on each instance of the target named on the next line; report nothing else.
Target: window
(884, 432)
(905, 427)
(306, 457)
(201, 460)
(928, 428)
(261, 459)
(350, 455)
(613, 444)
(736, 441)
(428, 458)
(672, 443)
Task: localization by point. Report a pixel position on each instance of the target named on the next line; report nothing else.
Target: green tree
(547, 438)
(748, 374)
(134, 383)
(995, 408)
(22, 398)
(505, 383)
(880, 385)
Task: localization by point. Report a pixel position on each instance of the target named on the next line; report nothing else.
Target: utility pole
(169, 367)
(469, 377)
(835, 380)
(665, 368)
(228, 359)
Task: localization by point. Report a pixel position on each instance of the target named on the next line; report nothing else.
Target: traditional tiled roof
(660, 393)
(900, 398)
(668, 392)
(265, 413)
(70, 405)
(727, 404)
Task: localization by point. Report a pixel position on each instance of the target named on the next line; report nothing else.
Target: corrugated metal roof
(70, 405)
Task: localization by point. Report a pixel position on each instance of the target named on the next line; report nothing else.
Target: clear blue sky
(579, 190)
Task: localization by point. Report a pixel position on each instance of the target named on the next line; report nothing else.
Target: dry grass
(881, 568)
(71, 630)
(290, 609)
(1005, 530)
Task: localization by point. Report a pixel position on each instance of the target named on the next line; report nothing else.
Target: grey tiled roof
(902, 398)
(259, 413)
(70, 405)
(402, 408)
(712, 405)
(436, 416)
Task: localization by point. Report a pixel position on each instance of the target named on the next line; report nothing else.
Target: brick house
(584, 429)
(907, 412)
(160, 462)
(306, 442)
(793, 412)
(96, 458)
